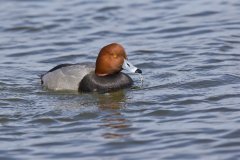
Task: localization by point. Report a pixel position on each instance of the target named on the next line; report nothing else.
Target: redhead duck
(105, 76)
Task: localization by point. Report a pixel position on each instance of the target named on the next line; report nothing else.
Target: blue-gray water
(187, 108)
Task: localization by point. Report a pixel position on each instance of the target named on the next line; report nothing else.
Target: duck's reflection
(108, 108)
(114, 122)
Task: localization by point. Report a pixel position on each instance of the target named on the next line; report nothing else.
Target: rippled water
(188, 107)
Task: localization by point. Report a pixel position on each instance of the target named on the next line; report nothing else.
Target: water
(187, 108)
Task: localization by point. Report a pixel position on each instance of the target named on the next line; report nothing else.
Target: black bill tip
(138, 71)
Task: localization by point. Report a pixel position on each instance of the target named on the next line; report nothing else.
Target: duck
(103, 76)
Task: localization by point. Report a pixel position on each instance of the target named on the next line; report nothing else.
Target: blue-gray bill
(130, 67)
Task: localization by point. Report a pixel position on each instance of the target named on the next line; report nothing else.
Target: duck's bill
(129, 67)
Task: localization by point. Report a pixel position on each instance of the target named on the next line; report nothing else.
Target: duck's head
(112, 59)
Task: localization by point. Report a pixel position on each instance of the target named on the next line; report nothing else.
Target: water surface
(187, 108)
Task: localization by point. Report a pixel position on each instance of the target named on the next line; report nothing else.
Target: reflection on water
(115, 122)
(113, 103)
(112, 100)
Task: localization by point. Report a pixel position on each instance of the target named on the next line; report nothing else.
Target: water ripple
(189, 54)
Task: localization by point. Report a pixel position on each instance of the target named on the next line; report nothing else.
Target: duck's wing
(65, 76)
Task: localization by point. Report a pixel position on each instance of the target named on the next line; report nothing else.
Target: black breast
(91, 82)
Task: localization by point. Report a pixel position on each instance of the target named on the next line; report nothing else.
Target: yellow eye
(115, 55)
